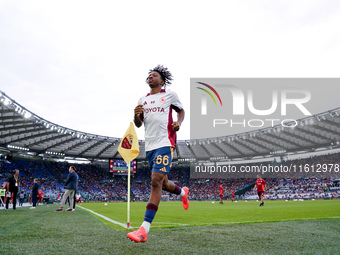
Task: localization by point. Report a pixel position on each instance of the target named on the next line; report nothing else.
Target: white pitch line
(281, 220)
(104, 217)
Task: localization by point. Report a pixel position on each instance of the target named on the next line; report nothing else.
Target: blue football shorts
(160, 160)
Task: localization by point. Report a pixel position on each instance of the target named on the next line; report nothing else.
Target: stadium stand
(97, 184)
(22, 131)
(36, 147)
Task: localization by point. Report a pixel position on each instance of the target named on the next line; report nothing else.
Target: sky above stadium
(83, 64)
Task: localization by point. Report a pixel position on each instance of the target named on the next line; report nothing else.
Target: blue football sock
(150, 212)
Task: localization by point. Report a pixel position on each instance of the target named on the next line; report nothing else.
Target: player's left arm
(177, 124)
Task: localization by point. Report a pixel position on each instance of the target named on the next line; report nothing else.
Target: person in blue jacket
(35, 189)
(71, 186)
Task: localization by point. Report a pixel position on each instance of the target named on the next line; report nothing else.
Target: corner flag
(129, 150)
(129, 147)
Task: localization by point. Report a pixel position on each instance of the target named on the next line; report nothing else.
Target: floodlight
(27, 115)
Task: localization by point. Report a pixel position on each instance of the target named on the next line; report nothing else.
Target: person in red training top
(78, 197)
(261, 187)
(221, 194)
(232, 196)
(40, 196)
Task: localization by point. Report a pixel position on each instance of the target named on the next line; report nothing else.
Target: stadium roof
(24, 132)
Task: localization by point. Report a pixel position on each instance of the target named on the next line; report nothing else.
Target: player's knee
(156, 182)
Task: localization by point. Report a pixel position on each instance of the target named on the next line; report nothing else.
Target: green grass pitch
(308, 227)
(171, 214)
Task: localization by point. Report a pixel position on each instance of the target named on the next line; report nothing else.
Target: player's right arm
(138, 112)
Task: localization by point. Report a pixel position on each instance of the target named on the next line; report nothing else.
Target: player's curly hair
(165, 74)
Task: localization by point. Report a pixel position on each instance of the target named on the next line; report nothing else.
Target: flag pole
(129, 150)
(128, 197)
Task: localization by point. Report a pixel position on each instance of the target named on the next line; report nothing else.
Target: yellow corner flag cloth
(129, 147)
